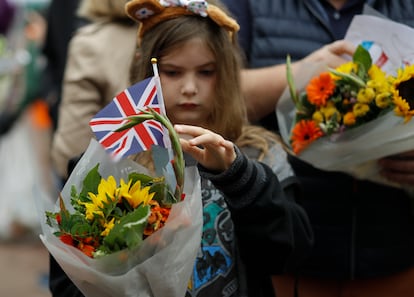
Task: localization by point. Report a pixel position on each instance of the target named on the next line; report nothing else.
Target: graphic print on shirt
(214, 269)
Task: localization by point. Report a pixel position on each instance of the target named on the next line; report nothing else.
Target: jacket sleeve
(273, 231)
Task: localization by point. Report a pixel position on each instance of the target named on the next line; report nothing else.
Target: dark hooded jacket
(362, 229)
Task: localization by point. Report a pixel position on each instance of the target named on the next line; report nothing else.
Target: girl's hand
(208, 148)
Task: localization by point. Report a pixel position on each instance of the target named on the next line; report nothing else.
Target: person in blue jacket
(363, 231)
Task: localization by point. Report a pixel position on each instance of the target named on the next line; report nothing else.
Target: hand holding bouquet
(127, 246)
(118, 230)
(345, 119)
(347, 97)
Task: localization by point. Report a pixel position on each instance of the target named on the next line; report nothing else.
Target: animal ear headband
(151, 12)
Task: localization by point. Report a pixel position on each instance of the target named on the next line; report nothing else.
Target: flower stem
(352, 78)
(178, 163)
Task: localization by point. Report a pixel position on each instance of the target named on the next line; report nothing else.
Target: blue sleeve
(240, 9)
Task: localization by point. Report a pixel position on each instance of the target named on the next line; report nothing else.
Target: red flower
(67, 238)
(58, 218)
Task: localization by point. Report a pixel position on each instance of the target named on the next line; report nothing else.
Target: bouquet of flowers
(110, 216)
(117, 229)
(346, 118)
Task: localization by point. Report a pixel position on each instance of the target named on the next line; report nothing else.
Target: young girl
(253, 227)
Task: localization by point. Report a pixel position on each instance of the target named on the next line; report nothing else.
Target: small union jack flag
(130, 102)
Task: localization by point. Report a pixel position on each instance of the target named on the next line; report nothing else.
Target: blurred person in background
(6, 16)
(95, 73)
(62, 22)
(24, 122)
(363, 230)
(97, 69)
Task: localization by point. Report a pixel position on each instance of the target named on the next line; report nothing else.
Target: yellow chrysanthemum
(360, 109)
(318, 117)
(366, 95)
(383, 100)
(329, 111)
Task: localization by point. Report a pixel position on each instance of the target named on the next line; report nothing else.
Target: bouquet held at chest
(111, 215)
(347, 118)
(120, 228)
(352, 95)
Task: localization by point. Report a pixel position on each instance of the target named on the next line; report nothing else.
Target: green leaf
(91, 181)
(144, 178)
(363, 58)
(349, 78)
(290, 80)
(129, 231)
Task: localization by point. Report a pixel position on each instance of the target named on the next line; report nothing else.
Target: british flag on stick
(130, 102)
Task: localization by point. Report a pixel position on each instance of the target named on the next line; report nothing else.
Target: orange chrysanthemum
(320, 88)
(303, 134)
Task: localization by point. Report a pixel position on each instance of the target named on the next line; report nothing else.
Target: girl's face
(188, 78)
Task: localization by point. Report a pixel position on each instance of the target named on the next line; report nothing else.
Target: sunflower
(106, 193)
(404, 93)
(135, 195)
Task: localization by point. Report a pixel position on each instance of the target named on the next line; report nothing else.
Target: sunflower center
(406, 91)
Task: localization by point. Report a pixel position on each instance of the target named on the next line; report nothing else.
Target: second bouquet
(345, 119)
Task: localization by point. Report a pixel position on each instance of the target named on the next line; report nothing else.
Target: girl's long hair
(229, 117)
(229, 114)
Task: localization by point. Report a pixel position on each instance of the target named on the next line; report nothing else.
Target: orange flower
(87, 249)
(320, 88)
(157, 218)
(303, 134)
